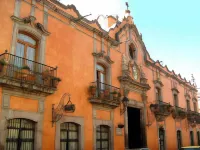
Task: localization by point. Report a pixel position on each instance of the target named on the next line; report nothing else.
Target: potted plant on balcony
(106, 92)
(93, 89)
(114, 93)
(55, 81)
(101, 95)
(25, 70)
(45, 74)
(2, 64)
(154, 107)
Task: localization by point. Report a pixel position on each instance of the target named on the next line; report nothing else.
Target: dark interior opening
(134, 128)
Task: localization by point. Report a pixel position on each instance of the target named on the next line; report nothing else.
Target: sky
(170, 29)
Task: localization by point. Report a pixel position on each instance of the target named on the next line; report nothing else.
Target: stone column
(143, 125)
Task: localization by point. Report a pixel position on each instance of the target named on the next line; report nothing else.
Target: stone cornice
(30, 20)
(158, 83)
(132, 84)
(83, 22)
(171, 74)
(102, 55)
(175, 90)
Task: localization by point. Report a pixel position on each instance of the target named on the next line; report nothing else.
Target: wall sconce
(57, 112)
(124, 103)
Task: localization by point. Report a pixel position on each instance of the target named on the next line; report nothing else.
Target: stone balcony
(104, 95)
(161, 110)
(179, 113)
(27, 75)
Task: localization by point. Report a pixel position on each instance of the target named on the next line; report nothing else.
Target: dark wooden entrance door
(162, 138)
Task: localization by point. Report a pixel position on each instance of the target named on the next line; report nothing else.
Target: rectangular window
(175, 100)
(195, 106)
(188, 104)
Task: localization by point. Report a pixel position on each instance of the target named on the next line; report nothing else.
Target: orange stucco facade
(76, 47)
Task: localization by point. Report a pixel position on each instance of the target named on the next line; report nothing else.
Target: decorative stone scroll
(31, 20)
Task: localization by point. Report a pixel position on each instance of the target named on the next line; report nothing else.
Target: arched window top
(132, 51)
(69, 126)
(26, 38)
(101, 68)
(23, 127)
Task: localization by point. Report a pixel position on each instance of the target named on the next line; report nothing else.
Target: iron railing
(27, 71)
(106, 91)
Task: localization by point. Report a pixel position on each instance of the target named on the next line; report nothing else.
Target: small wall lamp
(124, 102)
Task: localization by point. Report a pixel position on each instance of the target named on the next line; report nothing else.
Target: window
(158, 94)
(20, 134)
(195, 106)
(198, 137)
(26, 48)
(191, 138)
(132, 51)
(69, 139)
(162, 138)
(179, 140)
(188, 104)
(175, 99)
(102, 139)
(101, 77)
(135, 72)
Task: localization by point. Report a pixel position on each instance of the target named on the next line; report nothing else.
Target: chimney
(111, 20)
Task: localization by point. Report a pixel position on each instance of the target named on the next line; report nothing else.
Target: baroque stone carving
(32, 21)
(128, 82)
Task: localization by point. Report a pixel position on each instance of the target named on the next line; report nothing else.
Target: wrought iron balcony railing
(179, 113)
(105, 94)
(25, 73)
(161, 110)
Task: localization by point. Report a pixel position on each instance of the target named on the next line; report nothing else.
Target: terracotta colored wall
(25, 104)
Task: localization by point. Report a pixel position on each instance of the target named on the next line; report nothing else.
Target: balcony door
(25, 50)
(101, 77)
(162, 138)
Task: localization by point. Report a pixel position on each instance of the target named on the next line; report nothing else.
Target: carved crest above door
(133, 77)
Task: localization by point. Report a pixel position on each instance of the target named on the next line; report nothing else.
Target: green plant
(25, 67)
(3, 62)
(92, 86)
(119, 94)
(114, 92)
(56, 78)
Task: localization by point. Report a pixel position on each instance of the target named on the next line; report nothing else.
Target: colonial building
(67, 84)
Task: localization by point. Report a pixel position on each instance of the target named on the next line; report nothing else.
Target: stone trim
(17, 8)
(141, 106)
(32, 13)
(8, 114)
(73, 119)
(97, 122)
(109, 123)
(20, 26)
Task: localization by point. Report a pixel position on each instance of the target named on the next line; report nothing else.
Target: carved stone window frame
(107, 66)
(8, 114)
(73, 119)
(136, 50)
(108, 123)
(32, 29)
(175, 92)
(159, 85)
(98, 122)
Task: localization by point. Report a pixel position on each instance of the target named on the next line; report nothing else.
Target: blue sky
(171, 32)
(170, 28)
